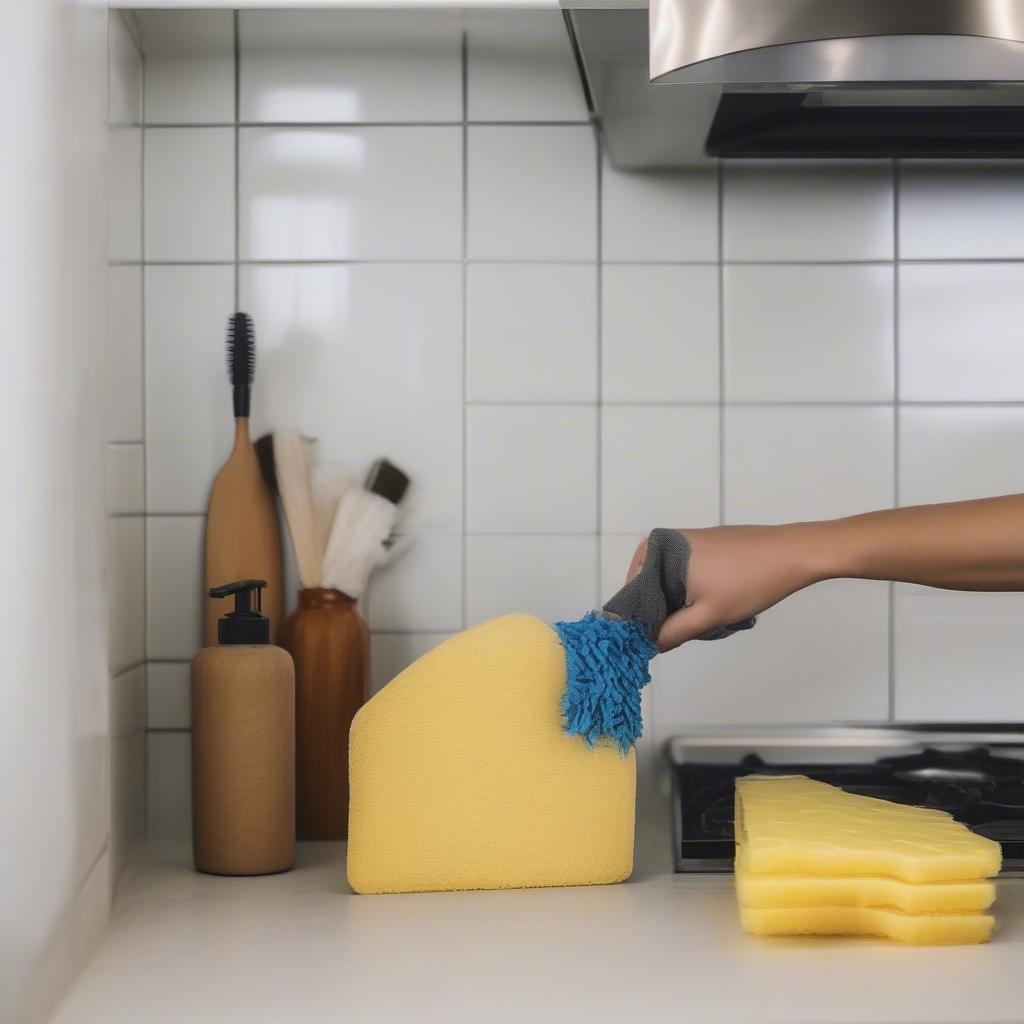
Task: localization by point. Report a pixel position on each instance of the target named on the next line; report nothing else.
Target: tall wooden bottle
(243, 745)
(330, 645)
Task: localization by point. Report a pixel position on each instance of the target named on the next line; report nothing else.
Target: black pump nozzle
(245, 625)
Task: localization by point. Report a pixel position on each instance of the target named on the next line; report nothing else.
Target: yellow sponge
(912, 929)
(461, 776)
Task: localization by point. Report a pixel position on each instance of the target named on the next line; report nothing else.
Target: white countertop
(301, 948)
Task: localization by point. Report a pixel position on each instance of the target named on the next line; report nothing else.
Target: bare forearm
(967, 545)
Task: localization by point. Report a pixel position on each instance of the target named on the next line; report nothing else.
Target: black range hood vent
(776, 125)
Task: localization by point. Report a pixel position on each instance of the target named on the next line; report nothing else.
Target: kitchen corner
(663, 946)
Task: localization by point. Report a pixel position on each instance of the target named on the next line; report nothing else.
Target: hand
(735, 572)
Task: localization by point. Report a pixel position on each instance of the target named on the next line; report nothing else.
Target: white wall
(53, 700)
(443, 269)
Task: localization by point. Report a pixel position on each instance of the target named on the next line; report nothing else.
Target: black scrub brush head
(241, 360)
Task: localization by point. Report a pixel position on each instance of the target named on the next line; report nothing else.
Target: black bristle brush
(243, 540)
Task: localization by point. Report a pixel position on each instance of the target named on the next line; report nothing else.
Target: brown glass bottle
(330, 645)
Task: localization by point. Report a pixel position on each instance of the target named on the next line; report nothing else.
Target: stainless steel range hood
(692, 80)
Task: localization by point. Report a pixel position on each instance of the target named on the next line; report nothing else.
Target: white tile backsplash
(168, 784)
(124, 354)
(659, 333)
(453, 276)
(822, 655)
(531, 193)
(777, 211)
(392, 653)
(659, 467)
(126, 580)
(957, 339)
(168, 695)
(961, 210)
(553, 578)
(531, 333)
(786, 464)
(174, 586)
(958, 655)
(951, 453)
(660, 216)
(521, 68)
(809, 333)
(531, 469)
(189, 417)
(360, 193)
(350, 65)
(190, 209)
(190, 66)
(421, 589)
(126, 479)
(124, 201)
(368, 359)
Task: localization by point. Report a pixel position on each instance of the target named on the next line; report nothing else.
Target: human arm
(739, 571)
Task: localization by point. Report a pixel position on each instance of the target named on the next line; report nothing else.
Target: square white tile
(189, 417)
(659, 467)
(392, 653)
(821, 655)
(124, 86)
(554, 578)
(659, 334)
(190, 66)
(126, 479)
(126, 580)
(809, 334)
(958, 655)
(797, 210)
(959, 326)
(169, 785)
(168, 695)
(953, 209)
(350, 66)
(532, 193)
(616, 553)
(190, 193)
(369, 360)
(531, 333)
(351, 193)
(666, 216)
(520, 67)
(531, 469)
(174, 586)
(787, 464)
(421, 590)
(128, 702)
(124, 197)
(124, 354)
(950, 453)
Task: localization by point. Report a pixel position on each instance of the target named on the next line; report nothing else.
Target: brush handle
(241, 395)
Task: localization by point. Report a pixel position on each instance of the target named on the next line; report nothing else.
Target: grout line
(116, 671)
(896, 199)
(337, 125)
(464, 568)
(721, 344)
(144, 344)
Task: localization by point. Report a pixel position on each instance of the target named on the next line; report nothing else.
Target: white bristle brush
(294, 482)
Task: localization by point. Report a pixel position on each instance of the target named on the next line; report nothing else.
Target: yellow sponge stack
(462, 777)
(812, 859)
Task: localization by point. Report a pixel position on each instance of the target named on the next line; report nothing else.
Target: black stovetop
(984, 791)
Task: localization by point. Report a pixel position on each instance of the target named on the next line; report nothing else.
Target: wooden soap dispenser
(243, 744)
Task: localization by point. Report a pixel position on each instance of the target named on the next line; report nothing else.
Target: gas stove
(974, 772)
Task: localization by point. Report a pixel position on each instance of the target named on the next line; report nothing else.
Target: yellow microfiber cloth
(462, 777)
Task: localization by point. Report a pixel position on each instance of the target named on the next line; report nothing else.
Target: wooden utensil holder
(330, 645)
